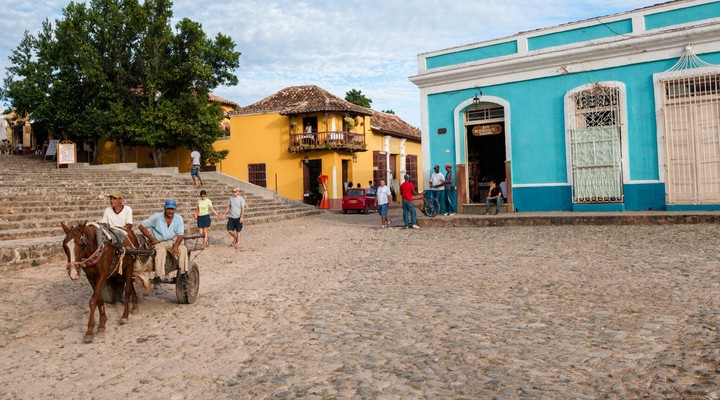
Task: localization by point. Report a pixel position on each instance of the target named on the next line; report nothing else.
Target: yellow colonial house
(285, 142)
(109, 152)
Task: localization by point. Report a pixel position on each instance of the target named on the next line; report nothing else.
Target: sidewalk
(572, 218)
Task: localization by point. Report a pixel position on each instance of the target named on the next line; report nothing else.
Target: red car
(360, 200)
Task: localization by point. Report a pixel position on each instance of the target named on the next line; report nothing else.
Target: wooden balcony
(339, 141)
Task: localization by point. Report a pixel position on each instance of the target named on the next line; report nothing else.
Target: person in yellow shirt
(202, 214)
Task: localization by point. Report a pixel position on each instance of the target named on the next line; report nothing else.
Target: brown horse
(82, 250)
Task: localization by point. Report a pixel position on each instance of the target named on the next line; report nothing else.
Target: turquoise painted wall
(476, 54)
(580, 35)
(682, 16)
(537, 133)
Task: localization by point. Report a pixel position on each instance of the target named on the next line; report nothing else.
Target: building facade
(615, 113)
(286, 141)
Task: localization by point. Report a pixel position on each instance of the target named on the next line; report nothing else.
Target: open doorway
(311, 171)
(485, 133)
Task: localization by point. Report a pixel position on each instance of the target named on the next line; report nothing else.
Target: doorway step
(479, 208)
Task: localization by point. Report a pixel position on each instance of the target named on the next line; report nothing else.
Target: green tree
(389, 112)
(116, 68)
(356, 97)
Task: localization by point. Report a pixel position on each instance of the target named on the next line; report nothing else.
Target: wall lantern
(307, 159)
(354, 157)
(478, 94)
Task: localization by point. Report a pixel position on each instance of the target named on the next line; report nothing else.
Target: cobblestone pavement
(333, 307)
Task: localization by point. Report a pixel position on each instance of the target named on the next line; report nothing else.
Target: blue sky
(369, 45)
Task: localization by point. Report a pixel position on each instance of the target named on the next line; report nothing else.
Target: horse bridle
(93, 259)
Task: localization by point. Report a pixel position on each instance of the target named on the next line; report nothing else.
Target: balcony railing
(341, 140)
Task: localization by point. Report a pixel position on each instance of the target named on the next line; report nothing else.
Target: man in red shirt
(407, 190)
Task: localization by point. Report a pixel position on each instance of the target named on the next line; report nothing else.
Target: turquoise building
(615, 113)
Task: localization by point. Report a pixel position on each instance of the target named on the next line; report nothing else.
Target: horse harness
(113, 236)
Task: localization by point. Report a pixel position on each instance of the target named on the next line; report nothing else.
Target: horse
(86, 247)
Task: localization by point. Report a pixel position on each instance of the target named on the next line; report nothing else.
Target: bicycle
(429, 206)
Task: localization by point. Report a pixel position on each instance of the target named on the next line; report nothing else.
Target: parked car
(360, 200)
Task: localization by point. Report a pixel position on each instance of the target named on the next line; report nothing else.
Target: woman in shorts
(202, 214)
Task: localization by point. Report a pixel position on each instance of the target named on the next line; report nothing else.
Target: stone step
(35, 210)
(10, 221)
(35, 197)
(53, 228)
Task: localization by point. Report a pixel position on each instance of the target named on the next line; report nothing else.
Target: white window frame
(569, 106)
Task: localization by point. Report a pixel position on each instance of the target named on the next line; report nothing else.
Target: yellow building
(109, 151)
(286, 141)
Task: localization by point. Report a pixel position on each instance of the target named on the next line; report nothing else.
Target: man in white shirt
(118, 214)
(436, 185)
(384, 197)
(195, 167)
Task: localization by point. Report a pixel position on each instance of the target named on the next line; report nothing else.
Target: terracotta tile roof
(302, 100)
(218, 99)
(393, 125)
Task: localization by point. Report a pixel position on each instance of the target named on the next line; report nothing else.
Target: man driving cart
(166, 233)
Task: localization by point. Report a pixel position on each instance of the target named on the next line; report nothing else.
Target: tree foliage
(116, 68)
(389, 111)
(358, 98)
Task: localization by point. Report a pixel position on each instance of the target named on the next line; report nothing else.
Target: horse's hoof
(123, 321)
(100, 331)
(89, 338)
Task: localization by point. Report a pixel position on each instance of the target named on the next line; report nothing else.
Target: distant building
(109, 151)
(287, 140)
(614, 113)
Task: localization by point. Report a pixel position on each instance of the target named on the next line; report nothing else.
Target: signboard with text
(66, 153)
(484, 130)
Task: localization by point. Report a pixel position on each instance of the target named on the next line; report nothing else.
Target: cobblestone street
(332, 306)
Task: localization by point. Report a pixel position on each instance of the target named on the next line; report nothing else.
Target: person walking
(436, 187)
(449, 186)
(195, 168)
(236, 216)
(384, 197)
(407, 190)
(202, 215)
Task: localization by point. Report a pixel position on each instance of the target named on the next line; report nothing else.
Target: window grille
(411, 168)
(595, 143)
(484, 114)
(257, 175)
(691, 123)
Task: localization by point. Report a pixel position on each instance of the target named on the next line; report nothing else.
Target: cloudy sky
(340, 45)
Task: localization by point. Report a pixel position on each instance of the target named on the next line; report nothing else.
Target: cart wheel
(187, 292)
(112, 292)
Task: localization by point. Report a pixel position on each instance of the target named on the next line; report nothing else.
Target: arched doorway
(485, 133)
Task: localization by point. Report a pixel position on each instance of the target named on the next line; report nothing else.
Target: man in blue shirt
(166, 233)
(449, 185)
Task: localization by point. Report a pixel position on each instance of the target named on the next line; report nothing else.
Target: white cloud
(371, 45)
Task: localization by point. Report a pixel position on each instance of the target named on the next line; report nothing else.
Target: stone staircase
(35, 197)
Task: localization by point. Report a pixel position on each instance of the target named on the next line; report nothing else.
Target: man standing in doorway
(436, 186)
(449, 185)
(195, 167)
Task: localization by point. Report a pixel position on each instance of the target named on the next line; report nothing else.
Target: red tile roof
(392, 125)
(218, 99)
(302, 100)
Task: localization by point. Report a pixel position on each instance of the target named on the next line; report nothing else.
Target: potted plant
(350, 123)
